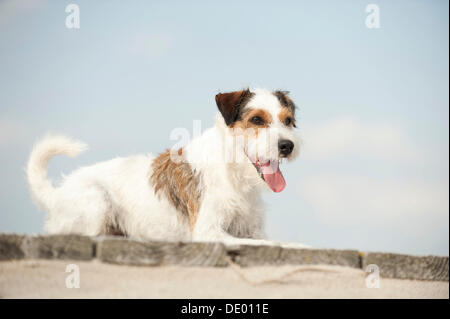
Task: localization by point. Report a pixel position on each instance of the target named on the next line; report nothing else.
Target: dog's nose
(285, 147)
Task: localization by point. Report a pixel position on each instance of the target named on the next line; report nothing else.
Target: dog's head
(262, 124)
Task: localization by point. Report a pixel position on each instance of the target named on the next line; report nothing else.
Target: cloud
(379, 194)
(349, 137)
(340, 198)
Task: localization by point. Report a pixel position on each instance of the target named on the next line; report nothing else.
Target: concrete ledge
(125, 251)
(248, 255)
(59, 247)
(11, 247)
(119, 250)
(408, 267)
(349, 258)
(46, 247)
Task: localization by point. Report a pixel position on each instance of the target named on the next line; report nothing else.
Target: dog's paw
(295, 245)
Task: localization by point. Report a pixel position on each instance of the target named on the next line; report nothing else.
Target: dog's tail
(41, 187)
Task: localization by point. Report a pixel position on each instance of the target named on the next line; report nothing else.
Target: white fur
(118, 191)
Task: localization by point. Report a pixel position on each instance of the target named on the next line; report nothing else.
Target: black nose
(285, 147)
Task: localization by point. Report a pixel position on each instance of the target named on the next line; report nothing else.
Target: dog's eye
(288, 121)
(257, 120)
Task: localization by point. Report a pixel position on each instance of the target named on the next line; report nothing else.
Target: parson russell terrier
(208, 190)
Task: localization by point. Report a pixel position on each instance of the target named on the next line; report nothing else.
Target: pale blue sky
(373, 103)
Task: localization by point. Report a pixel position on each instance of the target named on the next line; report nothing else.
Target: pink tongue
(273, 176)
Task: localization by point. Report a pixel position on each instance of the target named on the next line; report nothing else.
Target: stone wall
(119, 250)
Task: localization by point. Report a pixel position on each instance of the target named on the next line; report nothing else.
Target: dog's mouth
(269, 170)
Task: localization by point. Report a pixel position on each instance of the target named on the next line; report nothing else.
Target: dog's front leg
(216, 234)
(209, 227)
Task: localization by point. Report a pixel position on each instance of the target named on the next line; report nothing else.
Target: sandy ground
(47, 279)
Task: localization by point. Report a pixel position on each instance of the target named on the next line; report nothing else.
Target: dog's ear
(285, 100)
(230, 104)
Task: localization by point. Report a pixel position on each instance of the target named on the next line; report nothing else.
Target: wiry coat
(204, 197)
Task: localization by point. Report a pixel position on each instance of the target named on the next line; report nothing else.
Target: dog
(207, 190)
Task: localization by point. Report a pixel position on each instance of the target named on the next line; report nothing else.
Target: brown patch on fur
(231, 104)
(178, 183)
(285, 100)
(284, 114)
(245, 121)
(244, 128)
